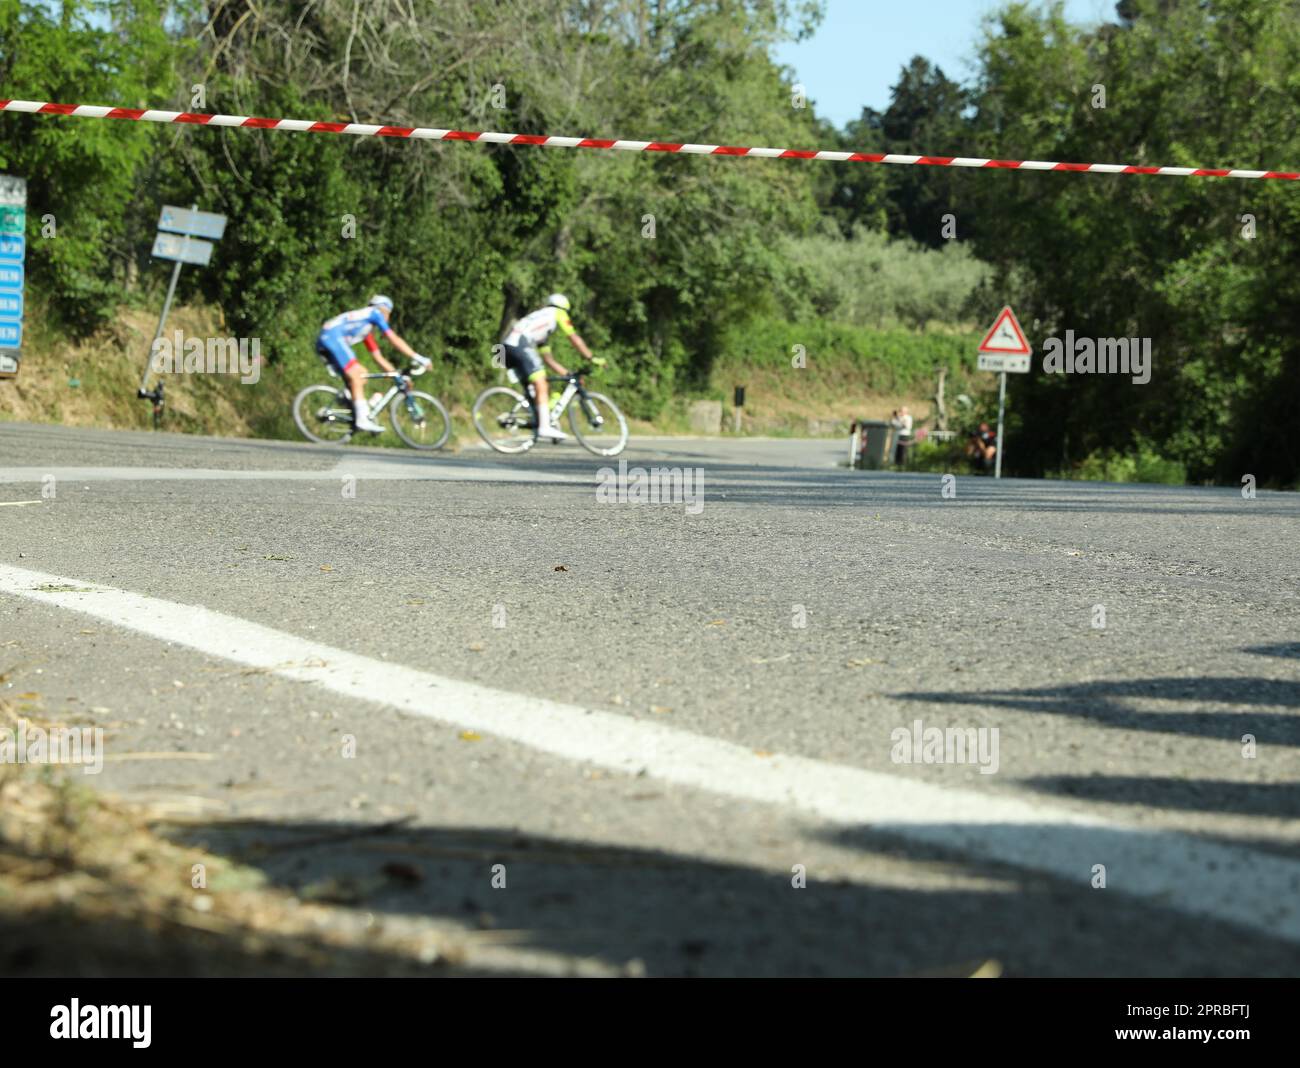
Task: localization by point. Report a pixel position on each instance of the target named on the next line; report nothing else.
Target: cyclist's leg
(527, 364)
(528, 368)
(346, 363)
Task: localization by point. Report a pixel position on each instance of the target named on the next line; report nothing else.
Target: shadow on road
(1107, 704)
(1280, 799)
(681, 916)
(1286, 650)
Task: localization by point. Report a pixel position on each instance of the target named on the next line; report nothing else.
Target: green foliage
(84, 174)
(867, 279)
(925, 117)
(656, 253)
(1213, 83)
(939, 457)
(884, 361)
(1142, 464)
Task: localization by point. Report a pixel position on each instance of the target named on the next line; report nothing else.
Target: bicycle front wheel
(420, 420)
(598, 424)
(323, 414)
(504, 419)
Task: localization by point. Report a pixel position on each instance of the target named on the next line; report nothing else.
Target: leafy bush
(871, 280)
(884, 361)
(940, 457)
(1142, 464)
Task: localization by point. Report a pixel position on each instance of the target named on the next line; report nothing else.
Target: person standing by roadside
(901, 421)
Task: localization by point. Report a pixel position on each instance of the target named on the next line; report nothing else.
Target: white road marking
(1253, 889)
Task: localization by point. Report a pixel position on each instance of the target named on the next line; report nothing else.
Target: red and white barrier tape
(90, 111)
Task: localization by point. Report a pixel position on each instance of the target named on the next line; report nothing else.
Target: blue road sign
(13, 245)
(13, 218)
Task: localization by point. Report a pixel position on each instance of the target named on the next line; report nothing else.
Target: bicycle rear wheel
(420, 420)
(598, 424)
(323, 414)
(504, 419)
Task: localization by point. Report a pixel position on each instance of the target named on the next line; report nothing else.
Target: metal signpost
(179, 238)
(13, 248)
(1004, 349)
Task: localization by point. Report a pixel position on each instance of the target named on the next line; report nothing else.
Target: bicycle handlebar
(576, 374)
(413, 371)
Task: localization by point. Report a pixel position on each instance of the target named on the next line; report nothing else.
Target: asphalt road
(661, 717)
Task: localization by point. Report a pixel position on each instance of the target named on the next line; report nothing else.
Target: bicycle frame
(401, 385)
(573, 388)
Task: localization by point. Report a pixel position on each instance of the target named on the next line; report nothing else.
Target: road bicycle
(506, 420)
(323, 413)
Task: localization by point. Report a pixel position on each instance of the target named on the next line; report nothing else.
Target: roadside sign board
(182, 249)
(998, 362)
(179, 238)
(1005, 338)
(194, 223)
(13, 191)
(1004, 349)
(13, 249)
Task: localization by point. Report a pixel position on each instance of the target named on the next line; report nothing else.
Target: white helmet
(380, 301)
(558, 300)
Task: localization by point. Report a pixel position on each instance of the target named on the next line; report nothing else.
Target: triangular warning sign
(1006, 337)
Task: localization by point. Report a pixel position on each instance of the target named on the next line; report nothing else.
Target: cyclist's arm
(565, 325)
(372, 347)
(545, 353)
(401, 346)
(576, 341)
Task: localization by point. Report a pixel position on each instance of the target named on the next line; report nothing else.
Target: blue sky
(854, 57)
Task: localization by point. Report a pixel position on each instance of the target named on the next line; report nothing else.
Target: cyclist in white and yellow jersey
(527, 344)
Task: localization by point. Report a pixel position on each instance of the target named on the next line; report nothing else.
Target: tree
(925, 117)
(1192, 84)
(84, 175)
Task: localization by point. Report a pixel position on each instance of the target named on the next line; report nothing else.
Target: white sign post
(178, 239)
(1004, 349)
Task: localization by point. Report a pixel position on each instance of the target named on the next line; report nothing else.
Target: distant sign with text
(13, 249)
(184, 249)
(194, 223)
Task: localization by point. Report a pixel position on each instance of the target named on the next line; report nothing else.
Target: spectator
(982, 447)
(901, 421)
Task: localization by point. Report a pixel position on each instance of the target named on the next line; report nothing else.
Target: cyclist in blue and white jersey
(338, 335)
